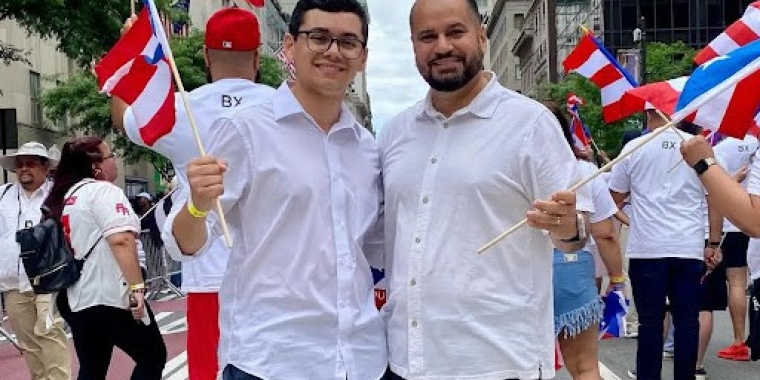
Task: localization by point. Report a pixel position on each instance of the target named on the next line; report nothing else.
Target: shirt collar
(483, 106)
(285, 104)
(42, 190)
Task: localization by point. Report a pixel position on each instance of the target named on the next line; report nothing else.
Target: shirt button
(417, 240)
(425, 200)
(445, 124)
(414, 323)
(413, 282)
(433, 160)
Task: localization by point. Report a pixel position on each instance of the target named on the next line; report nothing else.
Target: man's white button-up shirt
(451, 185)
(297, 297)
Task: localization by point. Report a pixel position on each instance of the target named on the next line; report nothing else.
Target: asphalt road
(619, 355)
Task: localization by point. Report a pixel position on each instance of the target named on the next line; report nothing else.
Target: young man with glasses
(299, 181)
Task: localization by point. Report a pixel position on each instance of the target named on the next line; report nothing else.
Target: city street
(618, 355)
(170, 315)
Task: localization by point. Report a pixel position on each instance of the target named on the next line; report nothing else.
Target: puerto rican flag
(661, 95)
(581, 136)
(137, 71)
(591, 59)
(256, 3)
(721, 95)
(613, 319)
(742, 32)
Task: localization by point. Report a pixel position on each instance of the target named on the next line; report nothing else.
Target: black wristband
(713, 244)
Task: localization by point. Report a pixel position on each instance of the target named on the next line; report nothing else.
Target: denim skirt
(577, 305)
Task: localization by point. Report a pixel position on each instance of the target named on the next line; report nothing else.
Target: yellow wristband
(136, 287)
(618, 279)
(194, 211)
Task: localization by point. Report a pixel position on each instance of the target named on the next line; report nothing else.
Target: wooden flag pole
(132, 7)
(191, 119)
(580, 184)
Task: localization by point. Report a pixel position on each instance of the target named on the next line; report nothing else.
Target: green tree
(84, 29)
(10, 54)
(78, 98)
(664, 61)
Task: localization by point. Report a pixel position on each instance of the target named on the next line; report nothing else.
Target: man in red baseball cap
(231, 53)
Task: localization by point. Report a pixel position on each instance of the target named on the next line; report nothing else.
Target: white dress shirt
(297, 300)
(208, 102)
(18, 210)
(451, 185)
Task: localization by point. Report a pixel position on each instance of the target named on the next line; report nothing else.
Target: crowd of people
(313, 201)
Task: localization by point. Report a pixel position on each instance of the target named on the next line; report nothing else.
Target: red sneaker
(735, 352)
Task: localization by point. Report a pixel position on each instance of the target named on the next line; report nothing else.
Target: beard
(450, 82)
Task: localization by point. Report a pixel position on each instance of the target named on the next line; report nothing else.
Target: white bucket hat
(32, 148)
(145, 195)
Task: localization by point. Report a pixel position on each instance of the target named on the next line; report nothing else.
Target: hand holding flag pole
(183, 95)
(580, 184)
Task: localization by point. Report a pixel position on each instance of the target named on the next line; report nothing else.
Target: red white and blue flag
(660, 95)
(591, 60)
(581, 135)
(137, 71)
(740, 33)
(721, 95)
(613, 319)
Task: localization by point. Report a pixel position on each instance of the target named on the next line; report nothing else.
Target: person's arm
(206, 178)
(712, 254)
(607, 243)
(726, 195)
(619, 199)
(622, 217)
(558, 217)
(212, 179)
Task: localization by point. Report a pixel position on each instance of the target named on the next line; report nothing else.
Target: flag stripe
(613, 92)
(140, 73)
(162, 122)
(126, 49)
(740, 33)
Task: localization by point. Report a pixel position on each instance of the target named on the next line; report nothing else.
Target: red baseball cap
(233, 29)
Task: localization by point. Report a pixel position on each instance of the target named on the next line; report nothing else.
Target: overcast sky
(393, 82)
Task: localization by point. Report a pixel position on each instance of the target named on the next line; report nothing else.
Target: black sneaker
(632, 373)
(700, 374)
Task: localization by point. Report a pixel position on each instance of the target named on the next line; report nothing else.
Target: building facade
(536, 46)
(22, 117)
(695, 22)
(505, 23)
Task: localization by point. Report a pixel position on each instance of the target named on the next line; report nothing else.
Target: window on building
(519, 20)
(518, 73)
(35, 91)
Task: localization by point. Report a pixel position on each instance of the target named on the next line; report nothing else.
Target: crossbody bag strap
(7, 187)
(89, 252)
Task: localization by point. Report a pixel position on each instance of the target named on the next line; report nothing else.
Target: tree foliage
(84, 29)
(664, 61)
(10, 54)
(78, 98)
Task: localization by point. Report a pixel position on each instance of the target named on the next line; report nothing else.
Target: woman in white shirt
(106, 307)
(577, 306)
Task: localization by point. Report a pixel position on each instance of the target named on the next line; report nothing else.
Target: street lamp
(640, 37)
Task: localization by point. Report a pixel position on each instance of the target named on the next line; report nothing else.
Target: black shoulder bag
(48, 258)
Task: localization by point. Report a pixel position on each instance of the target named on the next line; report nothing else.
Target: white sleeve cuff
(170, 243)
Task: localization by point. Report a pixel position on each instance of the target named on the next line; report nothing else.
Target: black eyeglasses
(320, 41)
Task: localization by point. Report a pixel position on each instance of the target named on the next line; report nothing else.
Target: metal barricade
(4, 333)
(159, 266)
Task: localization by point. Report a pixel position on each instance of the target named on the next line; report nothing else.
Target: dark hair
(562, 122)
(77, 157)
(332, 6)
(471, 4)
(689, 127)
